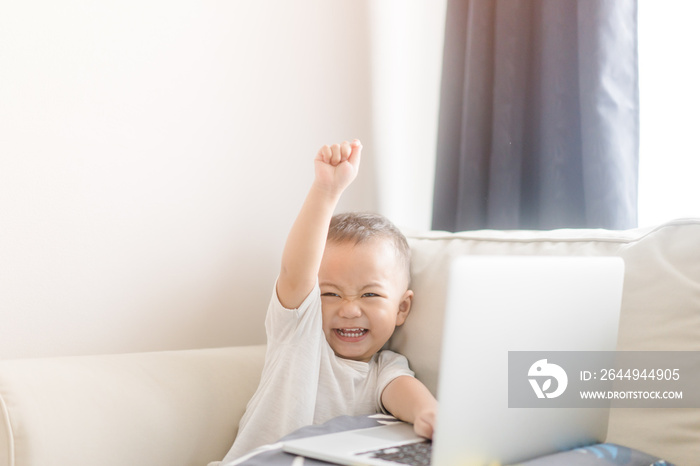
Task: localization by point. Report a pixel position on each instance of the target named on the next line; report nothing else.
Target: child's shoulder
(386, 358)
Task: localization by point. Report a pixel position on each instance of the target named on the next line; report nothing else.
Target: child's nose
(349, 309)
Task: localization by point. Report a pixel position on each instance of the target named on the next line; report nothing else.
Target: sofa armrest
(163, 408)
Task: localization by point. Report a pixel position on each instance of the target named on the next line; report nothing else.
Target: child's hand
(424, 424)
(337, 166)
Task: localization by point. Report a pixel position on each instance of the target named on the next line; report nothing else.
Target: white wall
(154, 154)
(669, 72)
(406, 71)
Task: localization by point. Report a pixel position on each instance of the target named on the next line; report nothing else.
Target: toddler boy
(340, 293)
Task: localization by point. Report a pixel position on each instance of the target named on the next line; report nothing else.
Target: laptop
(497, 304)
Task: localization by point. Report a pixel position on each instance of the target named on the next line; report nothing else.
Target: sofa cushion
(168, 408)
(660, 308)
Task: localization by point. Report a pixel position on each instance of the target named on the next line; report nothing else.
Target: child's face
(363, 296)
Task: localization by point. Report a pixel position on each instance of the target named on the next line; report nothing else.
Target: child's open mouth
(351, 334)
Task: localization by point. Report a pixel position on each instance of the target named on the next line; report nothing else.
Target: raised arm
(336, 167)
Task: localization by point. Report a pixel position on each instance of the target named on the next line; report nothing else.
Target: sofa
(181, 408)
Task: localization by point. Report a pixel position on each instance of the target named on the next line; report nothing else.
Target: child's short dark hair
(358, 227)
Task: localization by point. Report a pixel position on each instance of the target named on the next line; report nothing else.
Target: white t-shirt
(303, 382)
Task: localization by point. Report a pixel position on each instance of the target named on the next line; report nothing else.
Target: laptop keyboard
(415, 454)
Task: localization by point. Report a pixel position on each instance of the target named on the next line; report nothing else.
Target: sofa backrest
(660, 304)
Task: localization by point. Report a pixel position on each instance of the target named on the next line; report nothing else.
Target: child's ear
(404, 307)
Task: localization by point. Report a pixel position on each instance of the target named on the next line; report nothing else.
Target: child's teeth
(351, 332)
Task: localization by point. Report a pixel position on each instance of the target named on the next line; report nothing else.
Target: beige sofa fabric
(164, 408)
(660, 309)
(182, 408)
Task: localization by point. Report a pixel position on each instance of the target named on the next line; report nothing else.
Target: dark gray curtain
(539, 124)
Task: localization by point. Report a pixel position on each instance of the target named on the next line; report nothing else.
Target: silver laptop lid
(497, 304)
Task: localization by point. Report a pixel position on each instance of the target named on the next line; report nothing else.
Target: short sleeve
(391, 365)
(282, 324)
(286, 395)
